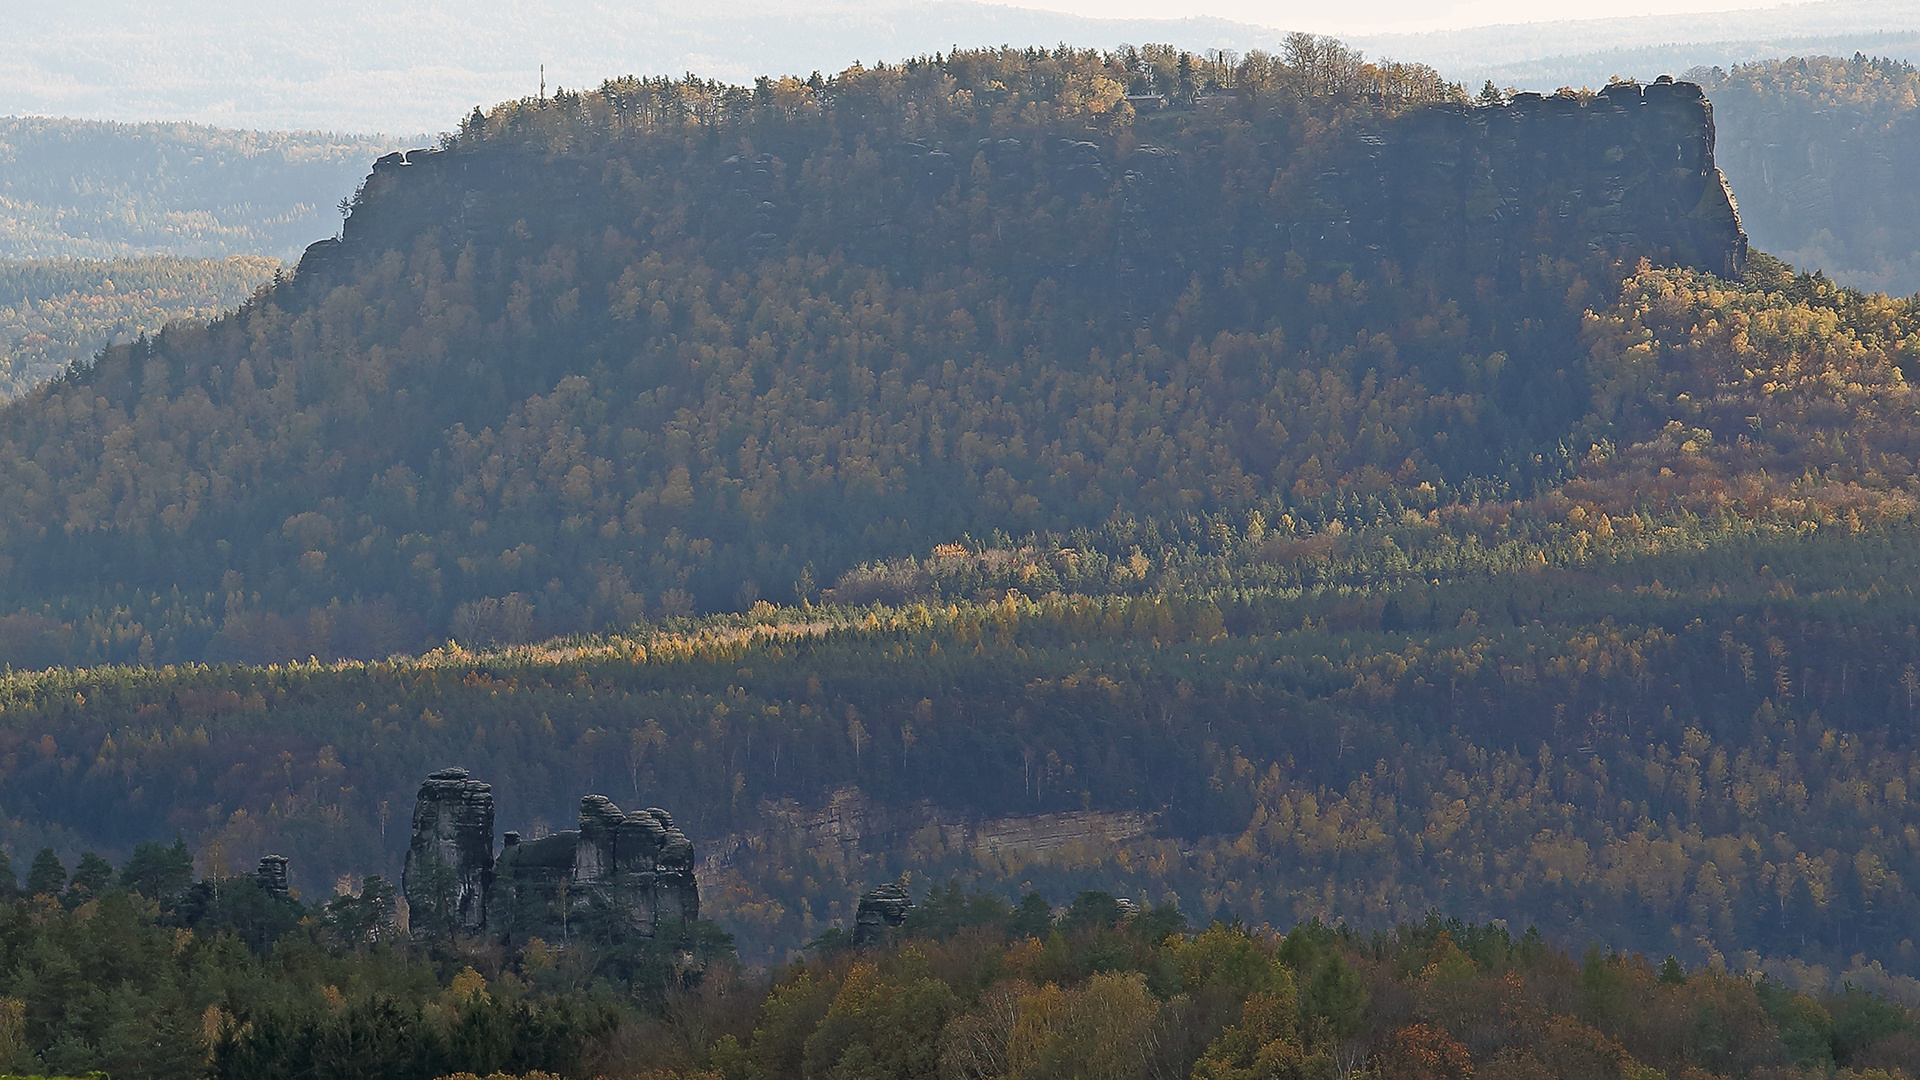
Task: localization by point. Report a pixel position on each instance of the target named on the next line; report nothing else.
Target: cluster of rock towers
(621, 872)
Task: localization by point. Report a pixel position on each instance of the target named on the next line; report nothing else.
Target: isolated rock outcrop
(449, 868)
(620, 873)
(884, 907)
(271, 875)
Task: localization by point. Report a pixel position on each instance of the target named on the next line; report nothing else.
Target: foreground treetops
(965, 983)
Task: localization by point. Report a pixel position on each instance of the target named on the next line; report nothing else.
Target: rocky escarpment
(629, 872)
(1628, 171)
(621, 873)
(449, 867)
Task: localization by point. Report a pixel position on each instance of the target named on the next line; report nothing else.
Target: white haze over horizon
(410, 66)
(1368, 17)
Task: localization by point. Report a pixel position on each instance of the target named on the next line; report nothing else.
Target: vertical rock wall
(272, 874)
(880, 909)
(1479, 191)
(1628, 172)
(449, 868)
(621, 873)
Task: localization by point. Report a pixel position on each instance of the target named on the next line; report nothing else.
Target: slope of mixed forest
(1270, 470)
(675, 347)
(1703, 752)
(55, 313)
(222, 978)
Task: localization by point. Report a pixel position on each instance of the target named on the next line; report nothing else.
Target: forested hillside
(59, 312)
(673, 347)
(1821, 152)
(1698, 752)
(1305, 491)
(91, 190)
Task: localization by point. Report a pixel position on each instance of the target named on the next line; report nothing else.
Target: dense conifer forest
(1041, 472)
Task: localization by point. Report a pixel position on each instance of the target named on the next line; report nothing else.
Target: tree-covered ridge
(93, 190)
(1880, 87)
(673, 346)
(1819, 150)
(1032, 449)
(60, 312)
(1789, 391)
(1124, 997)
(1710, 401)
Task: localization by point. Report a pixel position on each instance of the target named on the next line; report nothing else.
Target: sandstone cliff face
(622, 872)
(619, 874)
(1626, 173)
(880, 908)
(449, 867)
(272, 874)
(1483, 190)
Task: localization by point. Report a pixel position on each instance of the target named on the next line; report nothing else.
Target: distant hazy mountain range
(412, 65)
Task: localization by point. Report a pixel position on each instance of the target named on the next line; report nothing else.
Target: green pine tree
(156, 871)
(90, 879)
(48, 876)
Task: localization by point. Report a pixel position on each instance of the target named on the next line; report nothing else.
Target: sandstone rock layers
(885, 906)
(1451, 190)
(1628, 171)
(621, 873)
(449, 868)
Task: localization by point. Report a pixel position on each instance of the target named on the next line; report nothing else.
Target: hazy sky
(401, 66)
(1386, 16)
